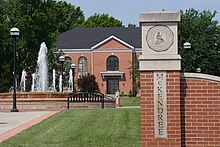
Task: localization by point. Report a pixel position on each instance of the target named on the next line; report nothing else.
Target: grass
(131, 101)
(90, 128)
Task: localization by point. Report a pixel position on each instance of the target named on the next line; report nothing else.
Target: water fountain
(54, 80)
(39, 89)
(33, 82)
(60, 83)
(23, 81)
(70, 83)
(40, 77)
(41, 73)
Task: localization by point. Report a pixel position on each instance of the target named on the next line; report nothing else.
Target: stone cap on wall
(161, 16)
(159, 62)
(200, 76)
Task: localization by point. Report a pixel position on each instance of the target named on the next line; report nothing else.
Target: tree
(87, 83)
(38, 21)
(5, 50)
(102, 21)
(67, 16)
(132, 25)
(203, 33)
(135, 74)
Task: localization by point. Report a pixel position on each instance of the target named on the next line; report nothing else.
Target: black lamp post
(62, 60)
(14, 33)
(73, 67)
(187, 46)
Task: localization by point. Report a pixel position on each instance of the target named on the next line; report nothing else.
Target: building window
(112, 63)
(82, 67)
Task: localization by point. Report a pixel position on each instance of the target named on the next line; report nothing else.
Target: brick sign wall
(193, 110)
(150, 137)
(177, 110)
(200, 110)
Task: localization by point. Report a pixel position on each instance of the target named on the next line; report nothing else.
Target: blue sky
(128, 11)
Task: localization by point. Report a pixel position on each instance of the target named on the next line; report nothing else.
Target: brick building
(107, 53)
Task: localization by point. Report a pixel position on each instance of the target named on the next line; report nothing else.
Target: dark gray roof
(85, 38)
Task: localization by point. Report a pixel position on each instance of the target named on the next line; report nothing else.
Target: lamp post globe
(14, 32)
(187, 47)
(198, 70)
(62, 60)
(73, 67)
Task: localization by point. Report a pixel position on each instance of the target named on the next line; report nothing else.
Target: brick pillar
(173, 110)
(160, 80)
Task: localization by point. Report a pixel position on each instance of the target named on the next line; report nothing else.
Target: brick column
(160, 80)
(173, 110)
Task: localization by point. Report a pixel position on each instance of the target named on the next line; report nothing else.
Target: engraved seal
(159, 38)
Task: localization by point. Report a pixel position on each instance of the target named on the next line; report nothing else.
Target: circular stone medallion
(159, 38)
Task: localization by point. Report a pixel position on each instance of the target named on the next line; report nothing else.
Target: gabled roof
(115, 38)
(86, 38)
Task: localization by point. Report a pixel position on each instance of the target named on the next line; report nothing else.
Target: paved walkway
(129, 107)
(12, 123)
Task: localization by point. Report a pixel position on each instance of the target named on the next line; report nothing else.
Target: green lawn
(87, 128)
(131, 101)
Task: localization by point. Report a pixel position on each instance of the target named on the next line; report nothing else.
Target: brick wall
(75, 59)
(200, 99)
(125, 59)
(193, 110)
(112, 44)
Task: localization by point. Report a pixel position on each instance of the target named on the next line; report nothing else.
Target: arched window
(112, 63)
(82, 66)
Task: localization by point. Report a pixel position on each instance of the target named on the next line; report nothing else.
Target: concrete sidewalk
(129, 107)
(12, 123)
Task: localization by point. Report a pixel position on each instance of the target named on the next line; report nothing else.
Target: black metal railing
(85, 97)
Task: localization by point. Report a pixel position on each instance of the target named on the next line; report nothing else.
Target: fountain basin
(28, 101)
(36, 95)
